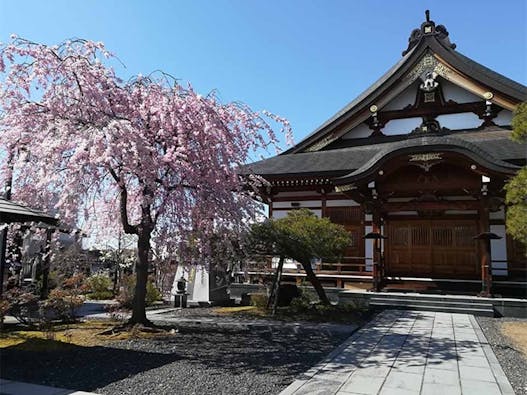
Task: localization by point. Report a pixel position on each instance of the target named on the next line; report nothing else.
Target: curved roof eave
(429, 144)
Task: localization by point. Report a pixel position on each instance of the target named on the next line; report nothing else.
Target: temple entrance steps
(435, 303)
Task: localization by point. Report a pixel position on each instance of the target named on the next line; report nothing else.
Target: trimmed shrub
(100, 287)
(76, 282)
(287, 293)
(5, 306)
(24, 306)
(101, 295)
(152, 293)
(126, 294)
(259, 300)
(60, 304)
(301, 304)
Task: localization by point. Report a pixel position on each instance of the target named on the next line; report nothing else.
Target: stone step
(441, 309)
(480, 309)
(432, 302)
(442, 298)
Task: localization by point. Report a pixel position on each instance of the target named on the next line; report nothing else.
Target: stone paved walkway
(9, 387)
(408, 352)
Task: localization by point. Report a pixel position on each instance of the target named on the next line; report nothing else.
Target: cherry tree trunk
(141, 277)
(315, 282)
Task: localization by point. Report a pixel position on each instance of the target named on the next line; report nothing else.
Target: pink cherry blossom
(150, 156)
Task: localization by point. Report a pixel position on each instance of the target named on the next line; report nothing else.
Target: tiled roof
(494, 144)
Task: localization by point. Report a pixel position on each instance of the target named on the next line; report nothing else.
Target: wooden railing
(515, 270)
(346, 266)
(352, 266)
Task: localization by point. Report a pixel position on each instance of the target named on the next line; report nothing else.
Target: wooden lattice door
(432, 248)
(351, 219)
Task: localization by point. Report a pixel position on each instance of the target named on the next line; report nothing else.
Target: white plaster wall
(451, 121)
(357, 132)
(401, 126)
(279, 214)
(404, 99)
(318, 213)
(497, 214)
(340, 203)
(499, 250)
(456, 93)
(459, 121)
(304, 203)
(504, 118)
(368, 249)
(288, 263)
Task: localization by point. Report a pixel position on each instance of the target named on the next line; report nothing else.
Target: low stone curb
(499, 374)
(309, 374)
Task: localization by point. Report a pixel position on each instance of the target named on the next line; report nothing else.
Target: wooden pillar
(377, 269)
(46, 263)
(324, 203)
(485, 254)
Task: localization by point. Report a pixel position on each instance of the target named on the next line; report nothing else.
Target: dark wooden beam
(432, 111)
(435, 205)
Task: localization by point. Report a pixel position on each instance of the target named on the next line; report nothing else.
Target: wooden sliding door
(432, 248)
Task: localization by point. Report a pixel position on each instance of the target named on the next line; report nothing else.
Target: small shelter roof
(15, 212)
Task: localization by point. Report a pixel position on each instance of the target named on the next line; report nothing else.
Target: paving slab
(440, 389)
(410, 352)
(8, 387)
(437, 376)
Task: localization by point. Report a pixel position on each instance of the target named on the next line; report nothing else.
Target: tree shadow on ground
(220, 353)
(391, 342)
(67, 365)
(397, 341)
(251, 350)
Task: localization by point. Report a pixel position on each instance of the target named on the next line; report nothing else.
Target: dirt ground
(87, 334)
(517, 333)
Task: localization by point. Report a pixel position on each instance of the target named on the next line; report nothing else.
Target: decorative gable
(432, 89)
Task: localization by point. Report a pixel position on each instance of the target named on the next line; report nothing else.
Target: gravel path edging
(511, 360)
(304, 377)
(497, 370)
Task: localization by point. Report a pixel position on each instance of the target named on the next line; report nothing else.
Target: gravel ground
(512, 361)
(188, 362)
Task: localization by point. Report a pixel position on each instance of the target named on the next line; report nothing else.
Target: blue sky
(303, 60)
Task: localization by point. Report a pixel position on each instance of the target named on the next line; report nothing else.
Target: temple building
(418, 161)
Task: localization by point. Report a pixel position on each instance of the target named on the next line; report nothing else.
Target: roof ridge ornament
(429, 28)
